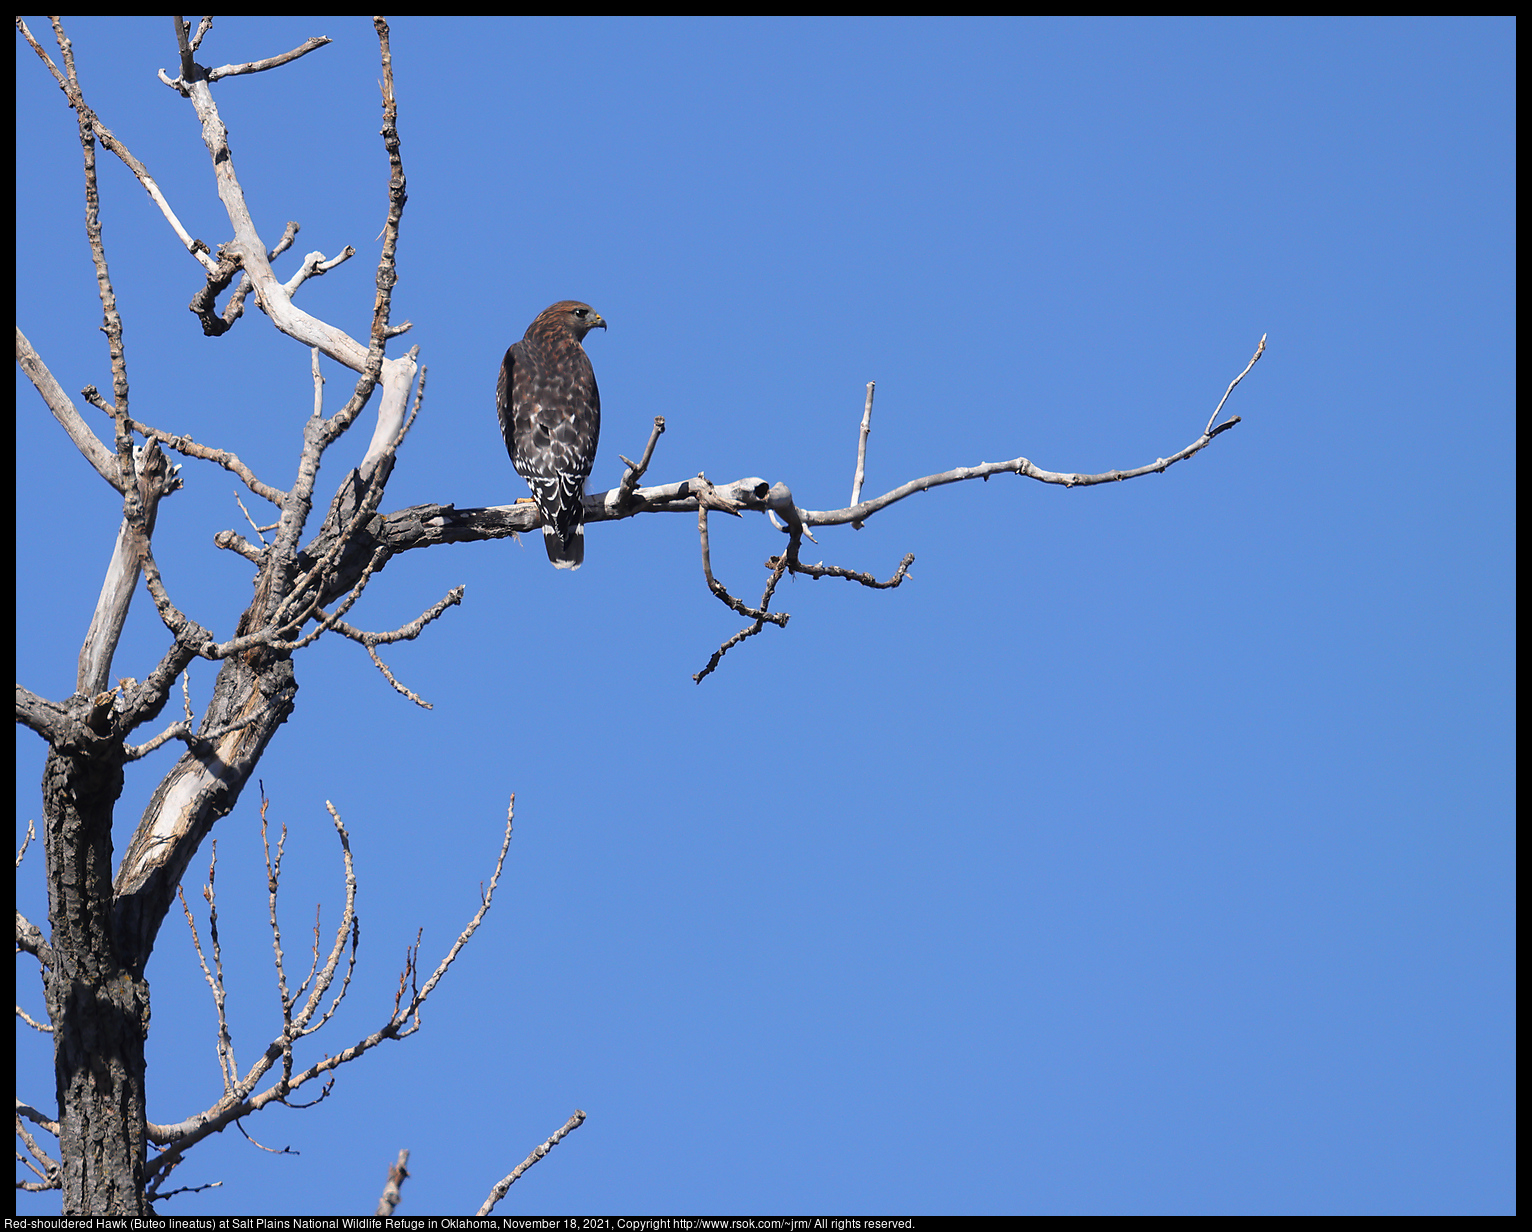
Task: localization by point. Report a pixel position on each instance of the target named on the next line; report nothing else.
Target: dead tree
(307, 578)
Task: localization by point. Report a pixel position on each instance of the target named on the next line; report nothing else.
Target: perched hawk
(550, 416)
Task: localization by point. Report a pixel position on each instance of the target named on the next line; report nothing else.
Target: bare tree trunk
(99, 1010)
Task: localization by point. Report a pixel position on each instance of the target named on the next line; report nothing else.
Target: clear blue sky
(1150, 851)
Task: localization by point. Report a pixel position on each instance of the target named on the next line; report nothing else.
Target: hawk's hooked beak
(600, 320)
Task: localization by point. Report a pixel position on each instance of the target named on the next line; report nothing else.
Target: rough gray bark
(99, 1009)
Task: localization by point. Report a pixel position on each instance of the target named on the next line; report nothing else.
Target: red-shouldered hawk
(550, 416)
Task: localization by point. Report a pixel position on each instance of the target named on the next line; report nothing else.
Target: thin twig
(397, 1175)
(861, 451)
(251, 520)
(778, 568)
(1259, 351)
(500, 1189)
(225, 1043)
(26, 842)
(32, 1022)
(184, 445)
(389, 676)
(348, 930)
(403, 1020)
(170, 1193)
(272, 1150)
(635, 471)
(196, 741)
(71, 89)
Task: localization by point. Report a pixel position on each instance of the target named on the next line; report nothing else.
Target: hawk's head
(579, 319)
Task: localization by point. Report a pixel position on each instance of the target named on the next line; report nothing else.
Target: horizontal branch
(420, 526)
(47, 718)
(1016, 466)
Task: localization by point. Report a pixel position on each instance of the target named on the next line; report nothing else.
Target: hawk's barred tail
(559, 501)
(565, 553)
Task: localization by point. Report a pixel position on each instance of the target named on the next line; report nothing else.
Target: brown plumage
(550, 416)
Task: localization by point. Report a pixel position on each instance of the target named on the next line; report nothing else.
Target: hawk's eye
(580, 312)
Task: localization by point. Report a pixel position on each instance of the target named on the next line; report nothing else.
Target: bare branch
(182, 627)
(777, 618)
(226, 1063)
(348, 929)
(389, 676)
(272, 295)
(170, 1193)
(777, 571)
(499, 1191)
(636, 470)
(861, 452)
(30, 938)
(37, 1118)
(71, 89)
(144, 702)
(1259, 351)
(229, 541)
(315, 266)
(155, 478)
(203, 27)
(389, 411)
(50, 1172)
(472, 926)
(187, 447)
(88, 443)
(47, 718)
(271, 1150)
(1016, 466)
(369, 640)
(260, 66)
(204, 304)
(112, 320)
(33, 1023)
(397, 1175)
(181, 1137)
(284, 1042)
(196, 741)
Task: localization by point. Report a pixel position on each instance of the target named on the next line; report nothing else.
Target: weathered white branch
(86, 441)
(260, 66)
(155, 478)
(861, 451)
(71, 90)
(276, 301)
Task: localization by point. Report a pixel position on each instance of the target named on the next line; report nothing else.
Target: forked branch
(299, 1008)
